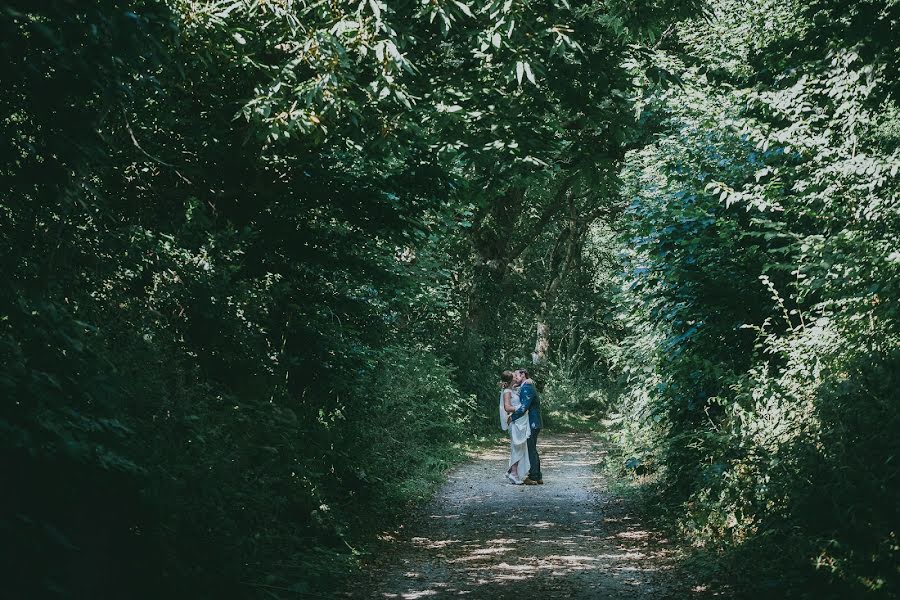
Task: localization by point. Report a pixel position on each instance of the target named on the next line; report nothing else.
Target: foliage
(263, 261)
(763, 337)
(237, 270)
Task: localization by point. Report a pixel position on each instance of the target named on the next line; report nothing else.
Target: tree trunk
(487, 280)
(542, 345)
(563, 257)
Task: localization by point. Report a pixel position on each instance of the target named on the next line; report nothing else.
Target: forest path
(481, 537)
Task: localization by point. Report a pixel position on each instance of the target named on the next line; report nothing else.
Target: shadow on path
(482, 537)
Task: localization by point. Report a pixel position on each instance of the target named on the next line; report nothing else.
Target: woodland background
(246, 242)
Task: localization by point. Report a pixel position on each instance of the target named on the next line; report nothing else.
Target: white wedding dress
(519, 432)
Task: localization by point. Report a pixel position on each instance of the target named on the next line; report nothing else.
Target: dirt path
(482, 538)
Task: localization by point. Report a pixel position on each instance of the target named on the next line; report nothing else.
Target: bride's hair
(506, 378)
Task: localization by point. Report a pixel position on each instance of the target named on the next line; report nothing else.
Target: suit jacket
(531, 404)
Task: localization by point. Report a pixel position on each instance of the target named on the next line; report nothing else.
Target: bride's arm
(507, 404)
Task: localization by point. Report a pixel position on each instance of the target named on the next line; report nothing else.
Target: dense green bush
(409, 421)
(763, 291)
(175, 476)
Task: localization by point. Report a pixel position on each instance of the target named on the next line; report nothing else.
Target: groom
(532, 404)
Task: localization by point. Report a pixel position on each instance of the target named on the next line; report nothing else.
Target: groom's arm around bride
(527, 394)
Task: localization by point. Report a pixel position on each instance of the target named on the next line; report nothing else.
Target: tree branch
(550, 211)
(147, 154)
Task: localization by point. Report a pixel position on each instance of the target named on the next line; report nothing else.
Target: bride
(519, 430)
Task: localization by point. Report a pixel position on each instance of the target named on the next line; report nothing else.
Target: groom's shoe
(530, 481)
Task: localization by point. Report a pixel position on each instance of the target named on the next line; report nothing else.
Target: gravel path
(482, 538)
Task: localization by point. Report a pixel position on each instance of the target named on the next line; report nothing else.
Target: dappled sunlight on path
(484, 538)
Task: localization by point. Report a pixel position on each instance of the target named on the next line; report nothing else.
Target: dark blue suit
(531, 403)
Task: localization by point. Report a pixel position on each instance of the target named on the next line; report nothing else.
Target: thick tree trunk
(501, 233)
(542, 321)
(494, 250)
(542, 345)
(487, 280)
(564, 256)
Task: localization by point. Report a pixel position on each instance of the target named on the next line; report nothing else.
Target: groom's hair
(523, 371)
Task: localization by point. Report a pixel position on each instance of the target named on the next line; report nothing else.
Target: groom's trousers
(535, 460)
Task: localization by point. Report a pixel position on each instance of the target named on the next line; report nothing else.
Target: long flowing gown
(519, 432)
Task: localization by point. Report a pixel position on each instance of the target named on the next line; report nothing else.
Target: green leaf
(528, 73)
(464, 8)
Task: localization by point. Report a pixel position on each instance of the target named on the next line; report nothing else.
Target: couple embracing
(520, 413)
